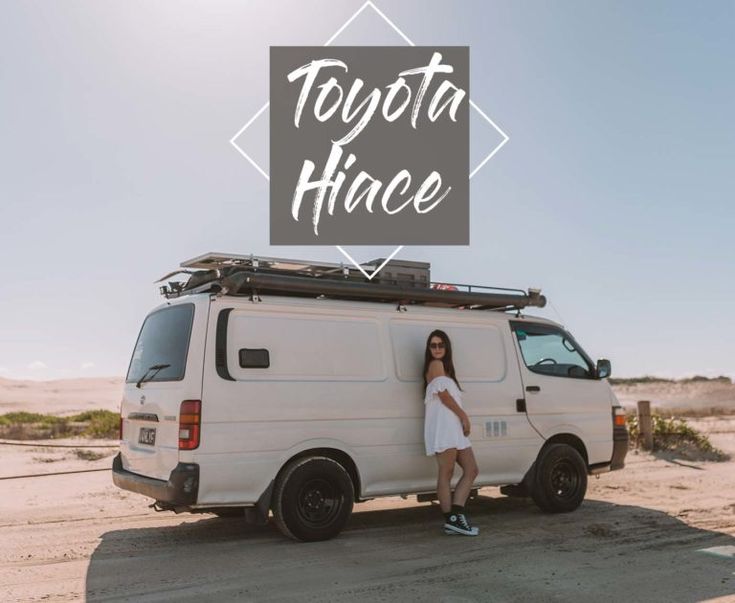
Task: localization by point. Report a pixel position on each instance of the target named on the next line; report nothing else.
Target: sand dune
(69, 396)
(62, 396)
(686, 395)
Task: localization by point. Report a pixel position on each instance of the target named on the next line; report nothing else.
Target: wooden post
(645, 425)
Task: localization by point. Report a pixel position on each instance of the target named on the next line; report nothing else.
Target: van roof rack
(399, 281)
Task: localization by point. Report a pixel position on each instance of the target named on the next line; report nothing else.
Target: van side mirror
(604, 369)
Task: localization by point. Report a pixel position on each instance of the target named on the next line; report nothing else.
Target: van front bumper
(180, 490)
(620, 448)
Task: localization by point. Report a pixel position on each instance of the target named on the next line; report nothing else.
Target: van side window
(550, 351)
(254, 358)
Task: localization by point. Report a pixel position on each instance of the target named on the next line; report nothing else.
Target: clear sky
(615, 193)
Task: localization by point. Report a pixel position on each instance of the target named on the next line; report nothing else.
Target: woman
(446, 428)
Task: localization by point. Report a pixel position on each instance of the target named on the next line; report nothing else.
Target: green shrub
(674, 434)
(102, 423)
(649, 379)
(700, 379)
(90, 455)
(638, 380)
(25, 425)
(14, 418)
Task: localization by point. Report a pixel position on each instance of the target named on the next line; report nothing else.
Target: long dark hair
(446, 360)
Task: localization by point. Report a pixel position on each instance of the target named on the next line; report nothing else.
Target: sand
(662, 529)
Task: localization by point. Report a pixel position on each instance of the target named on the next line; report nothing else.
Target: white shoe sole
(452, 531)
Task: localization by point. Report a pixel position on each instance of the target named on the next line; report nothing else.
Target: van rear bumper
(181, 489)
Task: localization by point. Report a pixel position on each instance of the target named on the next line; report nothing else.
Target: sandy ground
(639, 536)
(647, 533)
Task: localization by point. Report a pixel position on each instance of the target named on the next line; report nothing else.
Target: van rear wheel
(560, 480)
(313, 499)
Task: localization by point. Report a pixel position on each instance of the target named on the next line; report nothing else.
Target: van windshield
(163, 340)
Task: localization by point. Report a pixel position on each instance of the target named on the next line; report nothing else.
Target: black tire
(560, 479)
(312, 499)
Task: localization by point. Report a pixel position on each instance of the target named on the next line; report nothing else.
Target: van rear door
(165, 370)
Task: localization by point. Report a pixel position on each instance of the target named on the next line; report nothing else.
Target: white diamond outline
(378, 269)
(410, 42)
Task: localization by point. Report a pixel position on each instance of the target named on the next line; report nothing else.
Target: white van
(275, 385)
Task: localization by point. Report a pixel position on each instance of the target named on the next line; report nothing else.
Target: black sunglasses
(437, 346)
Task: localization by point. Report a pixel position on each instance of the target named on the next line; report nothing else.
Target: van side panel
(328, 382)
(348, 377)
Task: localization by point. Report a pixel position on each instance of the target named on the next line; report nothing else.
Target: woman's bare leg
(466, 460)
(446, 462)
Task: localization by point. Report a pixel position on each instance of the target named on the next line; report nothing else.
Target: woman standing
(446, 428)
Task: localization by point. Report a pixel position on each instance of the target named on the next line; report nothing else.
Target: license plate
(147, 436)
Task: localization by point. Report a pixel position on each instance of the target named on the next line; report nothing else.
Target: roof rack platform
(399, 281)
(394, 272)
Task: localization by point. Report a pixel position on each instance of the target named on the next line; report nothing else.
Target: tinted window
(254, 358)
(549, 351)
(164, 339)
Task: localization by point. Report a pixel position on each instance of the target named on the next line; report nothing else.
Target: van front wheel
(560, 480)
(312, 499)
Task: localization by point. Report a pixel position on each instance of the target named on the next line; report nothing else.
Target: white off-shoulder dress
(442, 428)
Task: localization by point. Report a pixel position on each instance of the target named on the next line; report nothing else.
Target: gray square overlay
(383, 149)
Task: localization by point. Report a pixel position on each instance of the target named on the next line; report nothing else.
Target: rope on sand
(17, 443)
(57, 473)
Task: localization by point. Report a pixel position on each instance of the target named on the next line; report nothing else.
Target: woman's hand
(465, 424)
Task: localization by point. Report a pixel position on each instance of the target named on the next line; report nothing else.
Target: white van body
(345, 381)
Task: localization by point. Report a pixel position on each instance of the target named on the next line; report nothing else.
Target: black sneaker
(458, 524)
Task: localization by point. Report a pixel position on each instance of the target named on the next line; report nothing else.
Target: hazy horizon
(122, 377)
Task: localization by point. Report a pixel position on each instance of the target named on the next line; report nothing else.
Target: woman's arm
(436, 369)
(451, 404)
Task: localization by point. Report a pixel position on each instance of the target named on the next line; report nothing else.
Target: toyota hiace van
(264, 385)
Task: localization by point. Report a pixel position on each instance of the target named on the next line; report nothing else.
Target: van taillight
(190, 421)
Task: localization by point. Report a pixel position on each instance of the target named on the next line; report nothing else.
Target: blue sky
(614, 193)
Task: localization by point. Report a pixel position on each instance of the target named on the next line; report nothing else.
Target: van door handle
(521, 405)
(533, 388)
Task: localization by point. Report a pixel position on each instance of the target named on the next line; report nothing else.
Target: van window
(163, 339)
(550, 351)
(477, 351)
